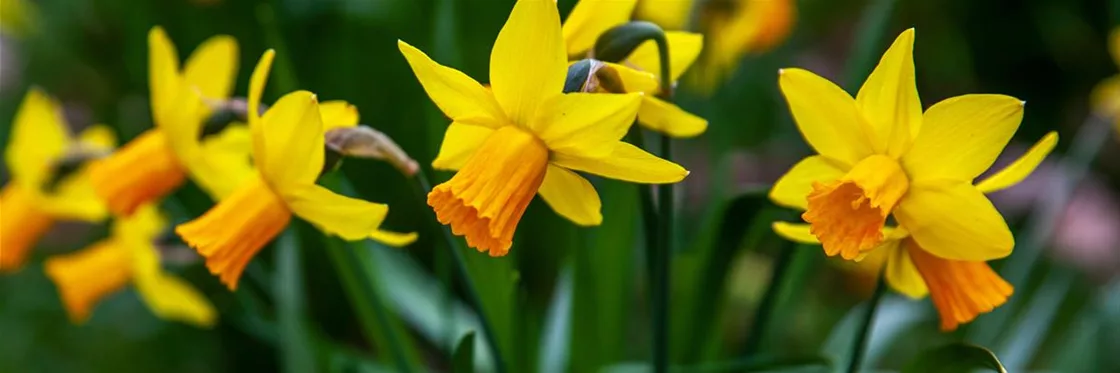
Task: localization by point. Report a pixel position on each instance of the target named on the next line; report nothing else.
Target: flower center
(146, 169)
(847, 215)
(85, 277)
(485, 200)
(238, 227)
(961, 290)
(22, 223)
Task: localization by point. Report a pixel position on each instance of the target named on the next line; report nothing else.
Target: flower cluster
(890, 181)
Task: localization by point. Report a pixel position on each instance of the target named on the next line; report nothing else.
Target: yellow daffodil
(37, 194)
(1106, 95)
(288, 149)
(523, 136)
(880, 156)
(961, 289)
(731, 28)
(159, 160)
(591, 18)
(128, 256)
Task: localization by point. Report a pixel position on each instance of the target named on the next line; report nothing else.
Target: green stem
(464, 277)
(769, 300)
(864, 332)
(662, 248)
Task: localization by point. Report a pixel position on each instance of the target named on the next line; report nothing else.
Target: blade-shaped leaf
(956, 357)
(463, 360)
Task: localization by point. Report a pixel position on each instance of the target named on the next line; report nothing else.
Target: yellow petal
(256, 88)
(394, 239)
(39, 137)
(456, 94)
(163, 73)
(669, 14)
(962, 136)
(459, 144)
(591, 18)
(74, 198)
(955, 221)
(350, 218)
(171, 298)
(338, 114)
(182, 122)
(625, 162)
(684, 47)
(293, 141)
(1021, 168)
(212, 68)
(826, 116)
(670, 119)
(792, 189)
(902, 275)
(223, 162)
(528, 63)
(634, 80)
(144, 225)
(889, 98)
(168, 297)
(795, 232)
(98, 136)
(571, 196)
(585, 124)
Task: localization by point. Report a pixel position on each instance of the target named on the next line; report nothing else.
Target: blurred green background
(571, 299)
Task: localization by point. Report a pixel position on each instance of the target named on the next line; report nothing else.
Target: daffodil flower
(591, 18)
(1106, 95)
(288, 149)
(731, 28)
(879, 156)
(129, 255)
(37, 195)
(159, 160)
(523, 136)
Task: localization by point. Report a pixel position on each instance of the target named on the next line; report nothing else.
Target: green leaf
(956, 357)
(380, 326)
(868, 43)
(602, 281)
(463, 361)
(752, 364)
(295, 342)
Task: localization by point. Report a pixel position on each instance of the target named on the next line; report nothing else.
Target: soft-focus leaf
(463, 360)
(957, 357)
(296, 350)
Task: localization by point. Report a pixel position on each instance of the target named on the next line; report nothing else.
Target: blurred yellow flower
(591, 18)
(731, 29)
(1105, 98)
(288, 149)
(18, 17)
(523, 136)
(159, 160)
(38, 194)
(880, 155)
(129, 255)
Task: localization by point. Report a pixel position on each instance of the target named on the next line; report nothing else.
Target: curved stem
(864, 332)
(663, 247)
(464, 277)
